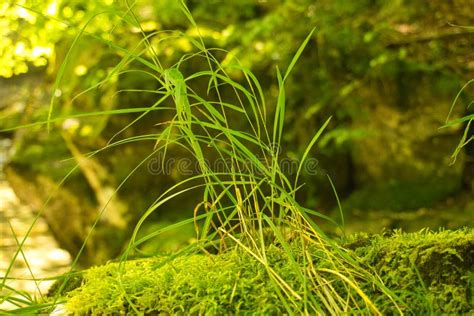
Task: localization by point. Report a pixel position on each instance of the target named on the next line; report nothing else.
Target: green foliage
(400, 195)
(251, 193)
(20, 48)
(32, 30)
(210, 104)
(362, 55)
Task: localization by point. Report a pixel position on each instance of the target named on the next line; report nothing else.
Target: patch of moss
(201, 284)
(429, 272)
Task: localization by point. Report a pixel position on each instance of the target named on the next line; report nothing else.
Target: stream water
(40, 256)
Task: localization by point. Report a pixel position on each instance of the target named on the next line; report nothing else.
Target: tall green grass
(467, 119)
(249, 205)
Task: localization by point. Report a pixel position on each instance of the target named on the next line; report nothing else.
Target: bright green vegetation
(250, 195)
(257, 249)
(431, 273)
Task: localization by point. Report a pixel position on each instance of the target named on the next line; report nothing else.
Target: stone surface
(40, 257)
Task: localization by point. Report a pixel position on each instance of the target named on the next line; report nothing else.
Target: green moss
(429, 272)
(210, 284)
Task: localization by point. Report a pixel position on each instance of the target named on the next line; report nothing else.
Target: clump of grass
(249, 206)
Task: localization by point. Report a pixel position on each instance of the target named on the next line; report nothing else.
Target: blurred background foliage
(387, 71)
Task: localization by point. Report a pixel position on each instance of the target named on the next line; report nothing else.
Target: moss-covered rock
(196, 284)
(431, 272)
(428, 272)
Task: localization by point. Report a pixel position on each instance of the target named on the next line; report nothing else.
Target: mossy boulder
(195, 284)
(431, 272)
(427, 272)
